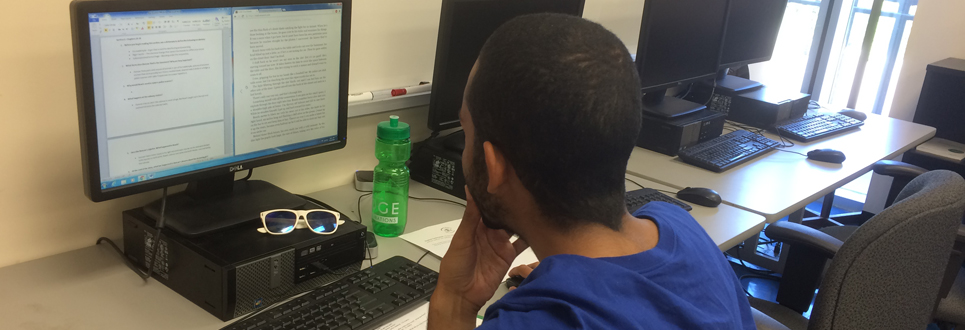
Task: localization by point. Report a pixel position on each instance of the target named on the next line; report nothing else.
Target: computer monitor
(752, 29)
(464, 27)
(191, 91)
(679, 43)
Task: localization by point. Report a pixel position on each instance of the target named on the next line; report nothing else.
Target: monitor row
(191, 91)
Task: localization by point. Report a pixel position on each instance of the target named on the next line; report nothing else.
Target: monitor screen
(181, 90)
(464, 27)
(752, 29)
(679, 41)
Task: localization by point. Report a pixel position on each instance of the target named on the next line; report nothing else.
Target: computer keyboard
(719, 103)
(363, 300)
(727, 151)
(815, 126)
(637, 198)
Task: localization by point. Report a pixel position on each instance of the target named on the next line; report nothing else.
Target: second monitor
(464, 27)
(680, 43)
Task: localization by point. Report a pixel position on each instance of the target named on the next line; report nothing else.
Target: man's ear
(496, 167)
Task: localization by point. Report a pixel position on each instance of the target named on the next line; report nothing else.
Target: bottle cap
(393, 129)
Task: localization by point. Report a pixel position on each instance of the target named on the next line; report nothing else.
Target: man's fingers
(521, 270)
(533, 265)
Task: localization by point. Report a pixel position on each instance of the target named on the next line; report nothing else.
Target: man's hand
(522, 271)
(472, 269)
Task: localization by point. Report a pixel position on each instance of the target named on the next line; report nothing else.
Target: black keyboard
(815, 126)
(364, 300)
(637, 198)
(727, 151)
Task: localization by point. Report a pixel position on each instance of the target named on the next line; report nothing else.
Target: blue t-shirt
(682, 283)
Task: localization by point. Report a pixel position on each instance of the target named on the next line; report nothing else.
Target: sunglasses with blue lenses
(280, 222)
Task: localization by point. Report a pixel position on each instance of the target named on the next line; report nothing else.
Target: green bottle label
(386, 213)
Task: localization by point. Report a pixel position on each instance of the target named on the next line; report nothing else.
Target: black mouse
(514, 280)
(854, 114)
(827, 156)
(700, 196)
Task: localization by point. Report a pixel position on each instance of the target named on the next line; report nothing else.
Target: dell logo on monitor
(236, 168)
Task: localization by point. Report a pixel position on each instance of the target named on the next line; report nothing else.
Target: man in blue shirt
(551, 112)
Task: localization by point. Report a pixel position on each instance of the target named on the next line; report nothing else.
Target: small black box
(766, 107)
(670, 135)
(438, 165)
(762, 108)
(236, 271)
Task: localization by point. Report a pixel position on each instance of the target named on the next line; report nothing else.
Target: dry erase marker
(412, 90)
(382, 94)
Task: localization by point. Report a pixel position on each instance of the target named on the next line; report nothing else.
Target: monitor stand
(734, 84)
(656, 103)
(219, 203)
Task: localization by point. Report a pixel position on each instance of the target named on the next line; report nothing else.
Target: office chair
(887, 274)
(951, 308)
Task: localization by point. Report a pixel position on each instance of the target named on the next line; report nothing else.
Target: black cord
(634, 182)
(686, 92)
(711, 96)
(793, 152)
(784, 143)
(248, 176)
(156, 245)
(359, 205)
(428, 199)
(420, 258)
(642, 187)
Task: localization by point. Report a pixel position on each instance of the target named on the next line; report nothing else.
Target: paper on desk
(414, 320)
(436, 239)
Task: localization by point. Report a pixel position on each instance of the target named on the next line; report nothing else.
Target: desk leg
(749, 251)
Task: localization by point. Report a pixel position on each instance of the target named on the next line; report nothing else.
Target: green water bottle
(390, 194)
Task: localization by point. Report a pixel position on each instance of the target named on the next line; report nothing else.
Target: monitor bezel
(440, 66)
(642, 44)
(83, 75)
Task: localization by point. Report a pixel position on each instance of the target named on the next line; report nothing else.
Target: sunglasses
(280, 222)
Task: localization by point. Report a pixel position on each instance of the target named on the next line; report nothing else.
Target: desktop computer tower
(763, 107)
(670, 135)
(233, 272)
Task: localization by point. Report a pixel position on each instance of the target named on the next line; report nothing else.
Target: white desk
(779, 183)
(91, 288)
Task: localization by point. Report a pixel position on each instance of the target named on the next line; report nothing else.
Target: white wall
(43, 210)
(938, 33)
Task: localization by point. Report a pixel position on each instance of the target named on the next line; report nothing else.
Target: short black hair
(560, 97)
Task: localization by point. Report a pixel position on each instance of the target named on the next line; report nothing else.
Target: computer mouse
(514, 280)
(700, 196)
(827, 156)
(854, 114)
